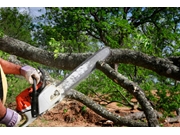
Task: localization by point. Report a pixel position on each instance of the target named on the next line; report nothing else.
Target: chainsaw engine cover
(48, 98)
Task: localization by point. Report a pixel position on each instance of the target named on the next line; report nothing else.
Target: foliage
(15, 86)
(1, 33)
(15, 24)
(169, 98)
(141, 28)
(55, 45)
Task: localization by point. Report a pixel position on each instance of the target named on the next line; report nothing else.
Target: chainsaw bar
(82, 71)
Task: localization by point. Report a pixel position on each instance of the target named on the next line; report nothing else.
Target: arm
(10, 68)
(26, 71)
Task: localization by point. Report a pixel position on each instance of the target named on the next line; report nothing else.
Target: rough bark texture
(173, 120)
(140, 115)
(103, 112)
(26, 51)
(164, 67)
(134, 89)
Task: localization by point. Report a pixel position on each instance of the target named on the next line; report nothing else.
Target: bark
(100, 110)
(134, 89)
(140, 115)
(163, 67)
(65, 61)
(173, 120)
(26, 51)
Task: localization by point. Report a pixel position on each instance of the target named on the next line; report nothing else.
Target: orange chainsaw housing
(23, 100)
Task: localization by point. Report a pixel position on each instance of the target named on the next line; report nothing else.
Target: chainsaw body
(47, 99)
(41, 97)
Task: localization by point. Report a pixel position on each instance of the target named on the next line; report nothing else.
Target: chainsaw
(42, 97)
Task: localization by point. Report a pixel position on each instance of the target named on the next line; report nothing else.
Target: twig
(129, 103)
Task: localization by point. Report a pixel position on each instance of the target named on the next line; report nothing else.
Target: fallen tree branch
(140, 115)
(173, 120)
(100, 110)
(134, 89)
(162, 66)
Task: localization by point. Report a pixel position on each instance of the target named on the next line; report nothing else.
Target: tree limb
(118, 120)
(134, 89)
(163, 67)
(140, 115)
(64, 61)
(173, 120)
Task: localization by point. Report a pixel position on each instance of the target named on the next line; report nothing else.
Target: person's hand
(11, 118)
(28, 72)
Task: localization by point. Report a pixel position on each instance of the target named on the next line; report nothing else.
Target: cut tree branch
(118, 120)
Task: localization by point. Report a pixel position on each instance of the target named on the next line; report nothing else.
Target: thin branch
(147, 18)
(106, 101)
(129, 103)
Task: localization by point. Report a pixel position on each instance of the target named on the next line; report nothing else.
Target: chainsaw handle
(35, 93)
(34, 102)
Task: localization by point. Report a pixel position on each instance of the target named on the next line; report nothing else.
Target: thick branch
(164, 67)
(103, 112)
(133, 88)
(140, 115)
(173, 120)
(26, 51)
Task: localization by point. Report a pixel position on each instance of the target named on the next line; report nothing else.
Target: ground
(71, 113)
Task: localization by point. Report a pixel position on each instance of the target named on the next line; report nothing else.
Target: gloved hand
(11, 118)
(28, 72)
